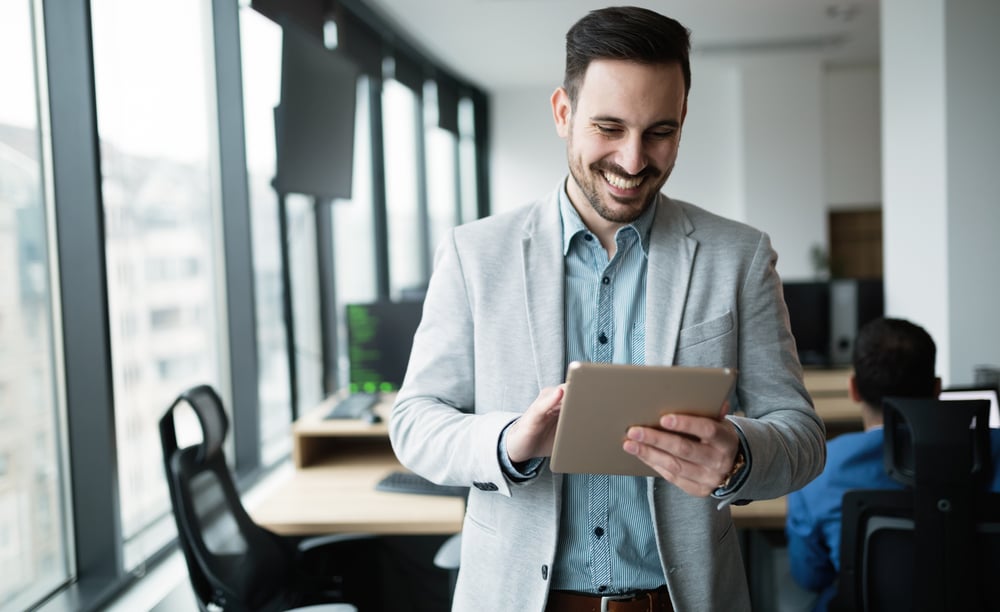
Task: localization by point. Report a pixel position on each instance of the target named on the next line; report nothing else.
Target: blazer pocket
(705, 331)
(481, 511)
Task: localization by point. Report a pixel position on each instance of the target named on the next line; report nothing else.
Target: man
(605, 269)
(892, 358)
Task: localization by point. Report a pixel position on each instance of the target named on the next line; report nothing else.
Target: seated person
(892, 358)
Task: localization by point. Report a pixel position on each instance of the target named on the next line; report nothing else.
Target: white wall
(709, 169)
(914, 211)
(852, 126)
(973, 133)
(940, 135)
(527, 157)
(783, 156)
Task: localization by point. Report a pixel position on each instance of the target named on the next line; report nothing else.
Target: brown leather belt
(640, 601)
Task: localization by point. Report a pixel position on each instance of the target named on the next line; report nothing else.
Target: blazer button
(485, 486)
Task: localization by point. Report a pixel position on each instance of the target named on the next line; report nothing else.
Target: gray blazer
(492, 336)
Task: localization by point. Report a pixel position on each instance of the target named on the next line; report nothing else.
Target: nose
(632, 154)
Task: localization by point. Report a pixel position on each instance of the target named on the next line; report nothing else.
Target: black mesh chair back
(233, 563)
(936, 544)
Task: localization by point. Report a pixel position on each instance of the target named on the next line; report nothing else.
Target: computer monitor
(808, 305)
(968, 393)
(825, 316)
(379, 340)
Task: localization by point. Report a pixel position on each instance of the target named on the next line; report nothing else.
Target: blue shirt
(606, 538)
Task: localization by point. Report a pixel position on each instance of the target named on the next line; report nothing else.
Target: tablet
(603, 400)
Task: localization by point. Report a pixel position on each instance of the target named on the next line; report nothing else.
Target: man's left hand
(695, 453)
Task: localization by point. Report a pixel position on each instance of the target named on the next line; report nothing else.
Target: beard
(594, 187)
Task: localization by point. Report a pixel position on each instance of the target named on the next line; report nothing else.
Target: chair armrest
(450, 553)
(312, 543)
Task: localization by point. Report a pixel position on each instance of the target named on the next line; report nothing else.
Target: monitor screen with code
(379, 339)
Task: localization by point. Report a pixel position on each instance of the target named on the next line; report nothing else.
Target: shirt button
(605, 280)
(602, 588)
(598, 531)
(603, 339)
(588, 237)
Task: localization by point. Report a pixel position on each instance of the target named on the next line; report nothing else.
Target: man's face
(622, 137)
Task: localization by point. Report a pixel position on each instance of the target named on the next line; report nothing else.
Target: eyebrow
(671, 123)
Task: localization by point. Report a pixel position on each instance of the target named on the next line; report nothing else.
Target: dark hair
(893, 358)
(625, 33)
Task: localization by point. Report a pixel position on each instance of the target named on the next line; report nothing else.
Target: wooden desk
(761, 514)
(338, 463)
(831, 398)
(315, 438)
(332, 489)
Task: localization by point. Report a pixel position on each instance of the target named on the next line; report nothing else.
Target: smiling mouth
(620, 182)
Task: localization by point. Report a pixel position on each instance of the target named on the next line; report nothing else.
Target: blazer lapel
(542, 259)
(671, 259)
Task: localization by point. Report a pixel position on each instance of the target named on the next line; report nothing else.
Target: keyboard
(408, 482)
(354, 406)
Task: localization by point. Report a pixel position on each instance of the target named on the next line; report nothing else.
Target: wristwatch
(738, 464)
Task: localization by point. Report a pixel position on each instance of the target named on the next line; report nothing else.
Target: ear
(562, 111)
(852, 388)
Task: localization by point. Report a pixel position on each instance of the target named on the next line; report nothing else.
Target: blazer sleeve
(434, 429)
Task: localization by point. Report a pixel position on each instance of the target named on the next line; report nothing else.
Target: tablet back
(603, 400)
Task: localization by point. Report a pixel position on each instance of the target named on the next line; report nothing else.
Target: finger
(684, 446)
(700, 427)
(681, 454)
(691, 478)
(550, 396)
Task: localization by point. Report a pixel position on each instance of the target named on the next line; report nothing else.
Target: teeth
(621, 182)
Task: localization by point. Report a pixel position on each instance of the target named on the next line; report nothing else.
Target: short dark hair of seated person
(892, 358)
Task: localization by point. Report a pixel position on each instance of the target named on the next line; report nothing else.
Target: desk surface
(338, 463)
(761, 514)
(338, 495)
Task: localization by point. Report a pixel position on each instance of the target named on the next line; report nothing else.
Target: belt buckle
(606, 599)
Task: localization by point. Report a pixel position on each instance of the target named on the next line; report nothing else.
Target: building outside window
(34, 514)
(154, 76)
(260, 43)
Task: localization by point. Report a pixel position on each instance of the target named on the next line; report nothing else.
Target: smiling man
(606, 269)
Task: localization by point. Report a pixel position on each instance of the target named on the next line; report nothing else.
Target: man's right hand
(533, 434)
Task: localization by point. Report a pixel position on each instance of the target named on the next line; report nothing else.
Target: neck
(870, 417)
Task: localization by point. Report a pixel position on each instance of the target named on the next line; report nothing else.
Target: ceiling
(503, 44)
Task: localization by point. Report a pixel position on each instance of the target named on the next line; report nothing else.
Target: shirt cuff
(516, 473)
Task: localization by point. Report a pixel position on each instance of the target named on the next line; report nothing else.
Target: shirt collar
(573, 224)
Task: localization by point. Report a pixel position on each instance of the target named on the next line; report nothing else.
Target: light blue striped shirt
(606, 538)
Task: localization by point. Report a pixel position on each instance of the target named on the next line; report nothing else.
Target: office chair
(233, 563)
(448, 558)
(936, 544)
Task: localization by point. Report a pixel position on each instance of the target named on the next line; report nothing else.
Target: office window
(401, 119)
(468, 185)
(441, 146)
(354, 231)
(33, 512)
(304, 267)
(260, 42)
(153, 64)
